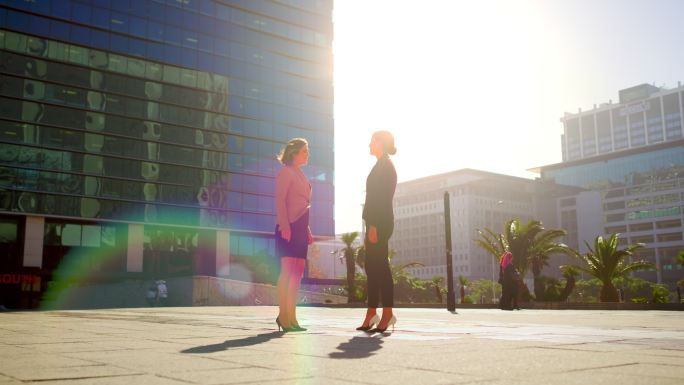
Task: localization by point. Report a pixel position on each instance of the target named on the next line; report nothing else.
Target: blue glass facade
(621, 171)
(642, 197)
(164, 113)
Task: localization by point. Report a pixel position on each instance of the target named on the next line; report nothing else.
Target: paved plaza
(241, 345)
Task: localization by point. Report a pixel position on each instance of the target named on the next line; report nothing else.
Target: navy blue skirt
(298, 245)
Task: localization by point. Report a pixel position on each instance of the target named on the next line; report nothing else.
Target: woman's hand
(286, 234)
(373, 235)
(309, 236)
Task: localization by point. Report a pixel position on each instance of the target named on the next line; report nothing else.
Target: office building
(645, 115)
(641, 194)
(478, 200)
(632, 155)
(138, 138)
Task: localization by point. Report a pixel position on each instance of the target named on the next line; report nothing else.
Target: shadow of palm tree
(357, 347)
(239, 343)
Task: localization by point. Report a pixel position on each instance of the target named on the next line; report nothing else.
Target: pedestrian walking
(162, 293)
(509, 279)
(151, 295)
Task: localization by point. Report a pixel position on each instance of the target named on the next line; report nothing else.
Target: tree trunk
(538, 288)
(523, 292)
(608, 293)
(538, 284)
(567, 290)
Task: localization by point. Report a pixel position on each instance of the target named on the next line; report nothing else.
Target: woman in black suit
(379, 218)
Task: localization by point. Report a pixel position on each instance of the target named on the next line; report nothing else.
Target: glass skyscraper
(140, 136)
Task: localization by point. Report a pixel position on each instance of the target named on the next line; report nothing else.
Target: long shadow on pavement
(239, 343)
(357, 347)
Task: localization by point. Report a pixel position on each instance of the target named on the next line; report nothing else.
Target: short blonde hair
(290, 150)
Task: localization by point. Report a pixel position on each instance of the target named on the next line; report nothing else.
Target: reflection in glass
(92, 131)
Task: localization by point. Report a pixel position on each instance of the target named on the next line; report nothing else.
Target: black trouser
(509, 295)
(378, 271)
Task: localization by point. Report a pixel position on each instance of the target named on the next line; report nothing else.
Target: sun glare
(456, 83)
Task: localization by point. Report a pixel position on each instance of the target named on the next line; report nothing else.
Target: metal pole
(451, 296)
(493, 282)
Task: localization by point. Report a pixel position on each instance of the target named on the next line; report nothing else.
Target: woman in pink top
(292, 233)
(508, 278)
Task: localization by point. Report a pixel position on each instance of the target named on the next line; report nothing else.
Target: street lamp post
(451, 296)
(336, 255)
(493, 267)
(493, 284)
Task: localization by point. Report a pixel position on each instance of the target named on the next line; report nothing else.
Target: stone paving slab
(241, 345)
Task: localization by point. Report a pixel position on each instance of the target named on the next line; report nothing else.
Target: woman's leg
(372, 284)
(386, 285)
(282, 290)
(370, 313)
(295, 281)
(506, 297)
(372, 290)
(514, 296)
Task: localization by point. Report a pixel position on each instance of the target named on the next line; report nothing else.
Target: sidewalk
(236, 345)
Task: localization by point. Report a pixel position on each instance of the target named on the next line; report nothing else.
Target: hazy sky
(482, 84)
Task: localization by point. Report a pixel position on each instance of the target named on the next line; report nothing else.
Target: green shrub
(661, 294)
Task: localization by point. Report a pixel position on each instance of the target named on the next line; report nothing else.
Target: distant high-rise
(645, 115)
(632, 155)
(146, 131)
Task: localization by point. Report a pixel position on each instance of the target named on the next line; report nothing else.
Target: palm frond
(606, 261)
(349, 238)
(569, 271)
(582, 269)
(634, 266)
(490, 242)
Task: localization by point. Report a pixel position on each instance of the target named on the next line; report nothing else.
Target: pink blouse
(292, 196)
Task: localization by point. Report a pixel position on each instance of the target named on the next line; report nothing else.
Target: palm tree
(463, 281)
(350, 253)
(406, 287)
(399, 271)
(520, 239)
(606, 262)
(437, 283)
(543, 245)
(680, 259)
(530, 243)
(491, 242)
(570, 274)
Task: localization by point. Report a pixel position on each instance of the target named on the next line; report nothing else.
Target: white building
(645, 115)
(478, 200)
(325, 258)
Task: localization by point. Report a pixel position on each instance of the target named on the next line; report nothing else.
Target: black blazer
(380, 186)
